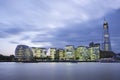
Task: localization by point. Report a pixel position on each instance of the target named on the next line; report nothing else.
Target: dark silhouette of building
(92, 44)
(107, 54)
(4, 58)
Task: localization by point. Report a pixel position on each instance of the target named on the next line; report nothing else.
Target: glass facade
(107, 43)
(23, 53)
(69, 52)
(52, 53)
(61, 54)
(39, 53)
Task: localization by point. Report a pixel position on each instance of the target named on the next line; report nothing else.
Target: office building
(82, 53)
(36, 52)
(60, 54)
(39, 53)
(69, 52)
(52, 53)
(94, 51)
(23, 53)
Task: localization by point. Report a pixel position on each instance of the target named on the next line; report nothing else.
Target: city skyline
(43, 23)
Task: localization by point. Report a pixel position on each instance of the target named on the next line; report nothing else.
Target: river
(59, 71)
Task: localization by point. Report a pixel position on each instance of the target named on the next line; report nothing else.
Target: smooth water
(59, 71)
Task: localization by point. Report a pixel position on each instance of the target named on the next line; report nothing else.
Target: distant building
(60, 54)
(94, 51)
(23, 53)
(39, 53)
(52, 53)
(82, 53)
(92, 44)
(106, 37)
(69, 52)
(107, 54)
(43, 52)
(36, 52)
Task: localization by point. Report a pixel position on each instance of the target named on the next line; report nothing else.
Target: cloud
(44, 14)
(15, 30)
(14, 42)
(55, 22)
(3, 35)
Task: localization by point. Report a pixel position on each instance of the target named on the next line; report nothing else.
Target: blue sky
(56, 23)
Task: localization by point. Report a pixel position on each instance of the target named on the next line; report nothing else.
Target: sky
(56, 23)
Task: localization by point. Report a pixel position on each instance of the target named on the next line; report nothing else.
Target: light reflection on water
(59, 71)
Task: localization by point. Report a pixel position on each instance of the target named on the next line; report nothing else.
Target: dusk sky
(56, 23)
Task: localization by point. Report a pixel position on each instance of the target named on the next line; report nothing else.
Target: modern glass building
(106, 37)
(52, 53)
(69, 52)
(36, 52)
(43, 52)
(61, 54)
(90, 53)
(82, 53)
(94, 53)
(39, 53)
(23, 53)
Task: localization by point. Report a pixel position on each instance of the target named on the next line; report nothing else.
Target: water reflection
(59, 71)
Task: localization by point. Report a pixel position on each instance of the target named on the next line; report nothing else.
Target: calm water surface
(59, 71)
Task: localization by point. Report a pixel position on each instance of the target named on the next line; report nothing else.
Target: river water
(59, 71)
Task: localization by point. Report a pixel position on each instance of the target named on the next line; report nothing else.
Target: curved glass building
(23, 53)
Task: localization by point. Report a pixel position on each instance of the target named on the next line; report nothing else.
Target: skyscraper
(106, 37)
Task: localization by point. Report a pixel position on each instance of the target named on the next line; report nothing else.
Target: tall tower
(106, 43)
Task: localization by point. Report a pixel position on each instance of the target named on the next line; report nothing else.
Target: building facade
(43, 53)
(91, 53)
(82, 53)
(60, 54)
(36, 52)
(52, 53)
(69, 52)
(94, 50)
(23, 53)
(39, 53)
(94, 53)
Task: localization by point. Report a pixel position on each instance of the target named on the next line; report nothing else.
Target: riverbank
(62, 61)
